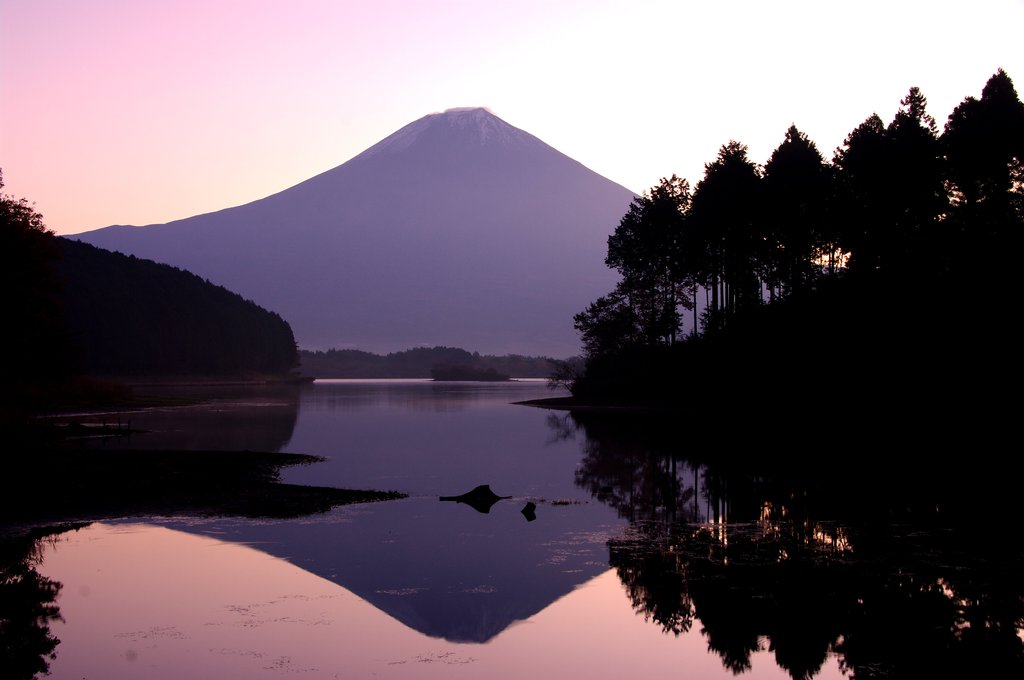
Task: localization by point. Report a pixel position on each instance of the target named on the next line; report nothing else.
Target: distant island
(421, 362)
(460, 372)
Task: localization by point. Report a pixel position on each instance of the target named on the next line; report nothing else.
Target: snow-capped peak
(467, 109)
(473, 122)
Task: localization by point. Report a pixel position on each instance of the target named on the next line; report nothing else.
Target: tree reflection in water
(27, 608)
(890, 572)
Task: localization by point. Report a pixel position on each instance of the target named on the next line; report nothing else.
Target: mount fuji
(458, 229)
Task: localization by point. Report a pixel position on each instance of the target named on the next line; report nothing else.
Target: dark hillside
(128, 316)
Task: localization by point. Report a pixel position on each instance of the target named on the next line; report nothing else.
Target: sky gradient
(126, 112)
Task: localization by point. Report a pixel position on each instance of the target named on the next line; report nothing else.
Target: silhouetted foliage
(829, 278)
(892, 189)
(726, 212)
(128, 316)
(984, 146)
(799, 236)
(645, 250)
(32, 344)
(863, 174)
(28, 605)
(608, 325)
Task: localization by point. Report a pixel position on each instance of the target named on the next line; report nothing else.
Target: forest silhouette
(805, 284)
(417, 362)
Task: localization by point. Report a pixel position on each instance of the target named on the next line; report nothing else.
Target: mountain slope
(458, 229)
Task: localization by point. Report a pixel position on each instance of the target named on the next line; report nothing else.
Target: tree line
(897, 202)
(417, 362)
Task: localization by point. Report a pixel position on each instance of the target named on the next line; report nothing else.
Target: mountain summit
(458, 229)
(475, 124)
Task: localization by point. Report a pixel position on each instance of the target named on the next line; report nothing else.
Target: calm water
(641, 560)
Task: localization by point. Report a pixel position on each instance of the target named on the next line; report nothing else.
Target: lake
(637, 557)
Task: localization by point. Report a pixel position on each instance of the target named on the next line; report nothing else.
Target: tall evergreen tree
(917, 197)
(645, 250)
(983, 142)
(891, 186)
(861, 174)
(798, 192)
(726, 214)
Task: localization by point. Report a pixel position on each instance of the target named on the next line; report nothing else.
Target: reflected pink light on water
(146, 601)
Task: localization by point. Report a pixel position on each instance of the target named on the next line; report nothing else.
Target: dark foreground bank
(63, 486)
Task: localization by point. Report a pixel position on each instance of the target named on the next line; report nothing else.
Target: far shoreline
(580, 405)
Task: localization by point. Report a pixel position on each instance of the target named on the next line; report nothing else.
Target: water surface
(644, 558)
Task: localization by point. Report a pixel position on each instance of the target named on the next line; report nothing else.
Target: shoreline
(51, 486)
(205, 381)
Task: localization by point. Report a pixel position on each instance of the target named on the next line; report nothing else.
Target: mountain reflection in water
(644, 559)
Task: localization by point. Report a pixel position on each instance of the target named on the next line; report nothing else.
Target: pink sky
(115, 111)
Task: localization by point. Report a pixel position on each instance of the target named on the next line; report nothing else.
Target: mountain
(458, 229)
(127, 316)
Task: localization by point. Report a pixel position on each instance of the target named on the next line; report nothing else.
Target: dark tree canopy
(984, 146)
(32, 344)
(645, 250)
(726, 220)
(891, 187)
(798, 191)
(417, 362)
(900, 250)
(645, 309)
(608, 325)
(917, 192)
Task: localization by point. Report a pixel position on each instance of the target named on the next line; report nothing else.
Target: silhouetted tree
(892, 189)
(645, 250)
(32, 346)
(863, 173)
(798, 192)
(645, 308)
(608, 325)
(984, 146)
(917, 190)
(914, 226)
(725, 212)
